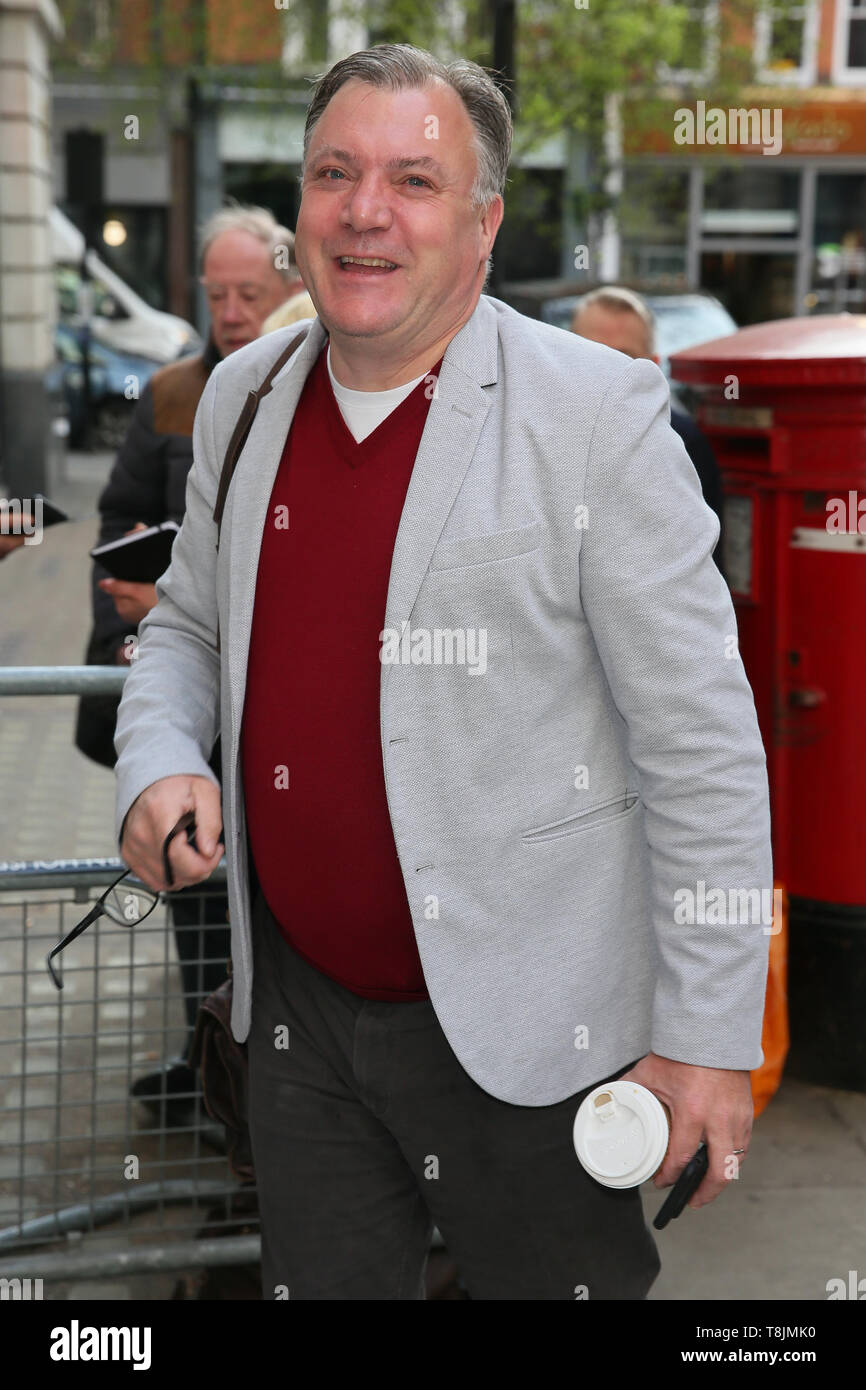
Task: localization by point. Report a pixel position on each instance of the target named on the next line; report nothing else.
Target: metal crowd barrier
(93, 1182)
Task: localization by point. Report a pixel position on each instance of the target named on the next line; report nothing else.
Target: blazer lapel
(249, 497)
(454, 423)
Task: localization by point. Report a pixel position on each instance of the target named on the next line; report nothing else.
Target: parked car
(127, 340)
(116, 382)
(682, 319)
(119, 319)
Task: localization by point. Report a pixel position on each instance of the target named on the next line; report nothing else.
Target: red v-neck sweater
(323, 846)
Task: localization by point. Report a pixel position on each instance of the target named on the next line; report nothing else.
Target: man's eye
(419, 179)
(325, 172)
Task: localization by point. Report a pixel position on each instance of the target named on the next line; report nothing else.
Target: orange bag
(775, 1036)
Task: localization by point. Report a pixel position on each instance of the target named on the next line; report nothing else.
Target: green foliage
(568, 59)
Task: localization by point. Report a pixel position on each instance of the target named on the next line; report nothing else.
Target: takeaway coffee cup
(621, 1134)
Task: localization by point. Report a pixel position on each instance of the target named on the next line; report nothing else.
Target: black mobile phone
(685, 1186)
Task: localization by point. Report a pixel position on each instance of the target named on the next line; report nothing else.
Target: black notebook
(140, 558)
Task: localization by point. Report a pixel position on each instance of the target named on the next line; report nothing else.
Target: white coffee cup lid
(621, 1134)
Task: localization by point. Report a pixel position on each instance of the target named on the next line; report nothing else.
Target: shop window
(133, 243)
(529, 243)
(838, 280)
(751, 202)
(753, 286)
(273, 186)
(653, 224)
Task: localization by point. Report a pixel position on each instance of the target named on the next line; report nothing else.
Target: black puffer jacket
(147, 483)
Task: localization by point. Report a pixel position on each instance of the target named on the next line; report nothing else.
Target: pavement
(795, 1218)
(58, 803)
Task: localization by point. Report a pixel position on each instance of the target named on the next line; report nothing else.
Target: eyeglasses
(125, 907)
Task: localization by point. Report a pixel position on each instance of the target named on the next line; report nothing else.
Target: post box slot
(743, 447)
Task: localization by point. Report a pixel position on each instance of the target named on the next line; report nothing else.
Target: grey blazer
(551, 810)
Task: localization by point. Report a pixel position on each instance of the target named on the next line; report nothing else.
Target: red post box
(784, 406)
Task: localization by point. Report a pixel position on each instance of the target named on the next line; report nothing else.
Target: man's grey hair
(261, 224)
(621, 301)
(401, 66)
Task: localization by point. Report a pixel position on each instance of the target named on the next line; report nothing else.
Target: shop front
(770, 235)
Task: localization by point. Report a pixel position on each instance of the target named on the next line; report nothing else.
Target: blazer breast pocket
(484, 550)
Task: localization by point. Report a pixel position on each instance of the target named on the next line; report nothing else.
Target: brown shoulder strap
(243, 426)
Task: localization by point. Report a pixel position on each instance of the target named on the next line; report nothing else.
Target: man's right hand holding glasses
(179, 857)
(151, 845)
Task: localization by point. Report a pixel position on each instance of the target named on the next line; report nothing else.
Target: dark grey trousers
(366, 1130)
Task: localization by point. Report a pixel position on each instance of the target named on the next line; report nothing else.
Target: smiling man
(391, 244)
(453, 888)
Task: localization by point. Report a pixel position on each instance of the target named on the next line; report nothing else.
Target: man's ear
(491, 219)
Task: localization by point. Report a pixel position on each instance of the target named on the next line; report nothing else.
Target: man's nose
(232, 308)
(368, 204)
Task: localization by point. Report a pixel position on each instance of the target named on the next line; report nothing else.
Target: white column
(27, 294)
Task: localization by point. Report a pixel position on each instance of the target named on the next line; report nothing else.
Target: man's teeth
(365, 260)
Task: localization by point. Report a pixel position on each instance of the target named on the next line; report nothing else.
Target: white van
(118, 317)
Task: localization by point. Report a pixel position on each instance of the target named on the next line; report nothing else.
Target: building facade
(775, 226)
(204, 100)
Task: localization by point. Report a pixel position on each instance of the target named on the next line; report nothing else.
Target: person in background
(241, 248)
(620, 319)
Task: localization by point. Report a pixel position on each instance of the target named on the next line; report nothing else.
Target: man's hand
(13, 540)
(156, 812)
(705, 1103)
(132, 601)
(10, 543)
